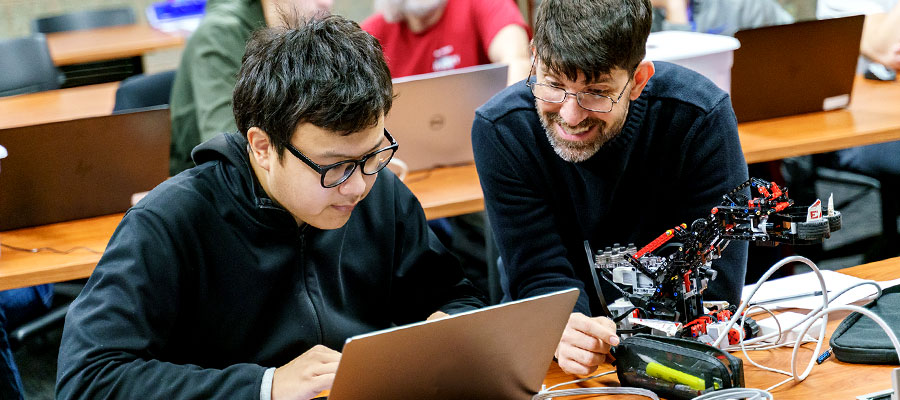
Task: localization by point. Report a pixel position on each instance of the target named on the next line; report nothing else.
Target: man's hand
(307, 375)
(585, 343)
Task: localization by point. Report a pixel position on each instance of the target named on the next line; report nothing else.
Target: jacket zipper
(304, 277)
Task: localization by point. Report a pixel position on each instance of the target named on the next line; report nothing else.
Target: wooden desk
(830, 380)
(74, 47)
(872, 117)
(447, 192)
(443, 192)
(57, 105)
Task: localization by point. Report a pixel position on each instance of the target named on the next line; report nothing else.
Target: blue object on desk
(176, 15)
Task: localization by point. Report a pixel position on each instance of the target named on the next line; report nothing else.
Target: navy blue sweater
(677, 154)
(206, 282)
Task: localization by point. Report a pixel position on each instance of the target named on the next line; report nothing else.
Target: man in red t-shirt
(421, 36)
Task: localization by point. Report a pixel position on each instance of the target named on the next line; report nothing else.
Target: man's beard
(579, 151)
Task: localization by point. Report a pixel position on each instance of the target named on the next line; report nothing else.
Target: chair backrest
(141, 91)
(83, 20)
(27, 66)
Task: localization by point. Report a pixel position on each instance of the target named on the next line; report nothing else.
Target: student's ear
(261, 148)
(642, 75)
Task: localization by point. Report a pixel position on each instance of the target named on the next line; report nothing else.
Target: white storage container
(710, 55)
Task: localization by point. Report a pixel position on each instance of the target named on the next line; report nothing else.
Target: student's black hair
(591, 36)
(325, 71)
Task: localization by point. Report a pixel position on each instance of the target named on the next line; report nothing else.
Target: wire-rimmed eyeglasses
(586, 100)
(335, 174)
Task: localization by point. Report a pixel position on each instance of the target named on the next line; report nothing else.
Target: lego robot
(662, 284)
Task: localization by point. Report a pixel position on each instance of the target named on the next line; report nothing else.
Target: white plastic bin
(710, 55)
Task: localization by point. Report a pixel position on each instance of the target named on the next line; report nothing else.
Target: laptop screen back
(432, 115)
(498, 352)
(792, 69)
(81, 168)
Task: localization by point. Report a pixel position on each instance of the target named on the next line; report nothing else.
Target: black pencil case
(675, 368)
(858, 339)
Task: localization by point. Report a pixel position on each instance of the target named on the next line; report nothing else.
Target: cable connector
(824, 356)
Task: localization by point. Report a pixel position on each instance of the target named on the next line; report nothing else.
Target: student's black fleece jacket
(206, 283)
(677, 154)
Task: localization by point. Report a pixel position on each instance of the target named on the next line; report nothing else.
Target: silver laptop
(81, 168)
(431, 118)
(797, 68)
(498, 352)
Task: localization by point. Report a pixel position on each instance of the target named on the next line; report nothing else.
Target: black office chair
(806, 171)
(28, 67)
(141, 91)
(93, 72)
(83, 20)
(63, 294)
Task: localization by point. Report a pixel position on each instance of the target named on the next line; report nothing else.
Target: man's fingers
(601, 328)
(581, 340)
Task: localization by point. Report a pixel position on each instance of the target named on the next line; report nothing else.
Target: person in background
(240, 277)
(600, 145)
(421, 36)
(201, 94)
(18, 306)
(880, 44)
(881, 32)
(720, 17)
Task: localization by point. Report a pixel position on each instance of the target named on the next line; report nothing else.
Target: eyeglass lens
(586, 100)
(371, 165)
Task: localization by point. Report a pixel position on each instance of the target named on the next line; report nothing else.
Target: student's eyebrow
(602, 80)
(330, 154)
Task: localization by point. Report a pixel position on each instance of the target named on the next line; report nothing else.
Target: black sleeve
(117, 326)
(533, 253)
(714, 166)
(428, 276)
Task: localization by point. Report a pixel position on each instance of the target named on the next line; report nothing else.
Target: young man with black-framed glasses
(602, 146)
(239, 277)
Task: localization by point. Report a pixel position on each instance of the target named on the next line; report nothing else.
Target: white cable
(884, 326)
(736, 393)
(578, 381)
(738, 314)
(821, 311)
(596, 390)
(549, 393)
(808, 316)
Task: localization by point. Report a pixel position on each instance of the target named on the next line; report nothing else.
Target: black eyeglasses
(335, 174)
(588, 101)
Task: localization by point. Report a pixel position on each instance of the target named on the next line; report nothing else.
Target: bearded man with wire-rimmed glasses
(602, 146)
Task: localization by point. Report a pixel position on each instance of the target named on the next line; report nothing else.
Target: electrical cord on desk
(50, 249)
(736, 393)
(820, 312)
(549, 393)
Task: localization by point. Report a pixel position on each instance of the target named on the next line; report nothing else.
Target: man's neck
(419, 24)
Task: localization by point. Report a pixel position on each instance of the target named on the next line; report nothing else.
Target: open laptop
(498, 352)
(81, 168)
(792, 69)
(431, 118)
